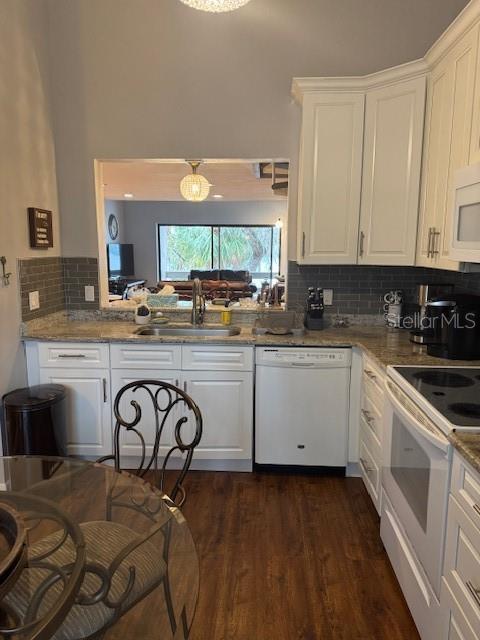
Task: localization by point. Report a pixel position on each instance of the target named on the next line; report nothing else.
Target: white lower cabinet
(130, 444)
(225, 399)
(461, 573)
(88, 408)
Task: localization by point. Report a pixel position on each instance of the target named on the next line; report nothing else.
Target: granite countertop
(386, 347)
(468, 445)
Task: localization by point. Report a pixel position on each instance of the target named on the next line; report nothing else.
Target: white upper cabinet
(391, 173)
(451, 122)
(330, 177)
(338, 137)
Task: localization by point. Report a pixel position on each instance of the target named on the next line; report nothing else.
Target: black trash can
(34, 421)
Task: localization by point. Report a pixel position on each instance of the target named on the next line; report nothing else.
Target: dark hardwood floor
(287, 557)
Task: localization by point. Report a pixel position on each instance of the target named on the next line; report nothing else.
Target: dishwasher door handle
(303, 364)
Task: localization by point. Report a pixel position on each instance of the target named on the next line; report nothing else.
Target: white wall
(156, 79)
(141, 219)
(27, 166)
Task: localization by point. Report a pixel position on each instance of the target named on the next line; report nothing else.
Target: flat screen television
(120, 260)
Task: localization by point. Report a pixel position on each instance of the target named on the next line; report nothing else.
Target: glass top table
(86, 552)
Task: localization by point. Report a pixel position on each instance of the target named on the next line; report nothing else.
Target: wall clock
(112, 226)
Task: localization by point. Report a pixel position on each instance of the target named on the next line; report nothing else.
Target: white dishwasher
(302, 406)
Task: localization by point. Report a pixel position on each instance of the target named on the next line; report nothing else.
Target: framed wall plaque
(40, 225)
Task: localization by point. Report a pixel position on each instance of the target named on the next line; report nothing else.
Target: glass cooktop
(454, 392)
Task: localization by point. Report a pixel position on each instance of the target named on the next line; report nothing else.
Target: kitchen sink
(214, 330)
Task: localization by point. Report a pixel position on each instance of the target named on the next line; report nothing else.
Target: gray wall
(27, 164)
(141, 219)
(156, 79)
(115, 207)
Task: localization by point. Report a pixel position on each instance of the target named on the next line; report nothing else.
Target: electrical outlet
(89, 293)
(34, 300)
(328, 297)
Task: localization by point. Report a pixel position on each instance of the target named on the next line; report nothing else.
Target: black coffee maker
(454, 325)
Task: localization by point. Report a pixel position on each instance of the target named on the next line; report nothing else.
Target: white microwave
(465, 245)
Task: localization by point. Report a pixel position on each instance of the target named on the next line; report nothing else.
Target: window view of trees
(251, 248)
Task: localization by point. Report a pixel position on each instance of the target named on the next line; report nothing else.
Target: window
(253, 248)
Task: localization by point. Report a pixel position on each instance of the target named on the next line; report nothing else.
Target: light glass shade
(195, 187)
(215, 6)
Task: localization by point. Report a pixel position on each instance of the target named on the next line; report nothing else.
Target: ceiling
(236, 181)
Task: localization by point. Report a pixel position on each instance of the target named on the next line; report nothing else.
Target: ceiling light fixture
(194, 187)
(128, 195)
(217, 195)
(215, 6)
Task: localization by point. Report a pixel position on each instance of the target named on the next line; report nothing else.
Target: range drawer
(372, 419)
(70, 354)
(462, 563)
(465, 488)
(146, 356)
(212, 358)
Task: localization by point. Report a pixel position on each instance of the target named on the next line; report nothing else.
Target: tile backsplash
(60, 283)
(359, 289)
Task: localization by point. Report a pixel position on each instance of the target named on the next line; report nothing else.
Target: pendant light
(215, 6)
(194, 187)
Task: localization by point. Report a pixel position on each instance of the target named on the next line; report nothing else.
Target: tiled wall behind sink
(60, 282)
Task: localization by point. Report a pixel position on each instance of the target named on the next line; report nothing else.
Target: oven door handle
(435, 438)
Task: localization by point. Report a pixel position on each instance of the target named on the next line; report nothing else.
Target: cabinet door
(391, 173)
(130, 445)
(436, 159)
(89, 429)
(462, 61)
(475, 138)
(330, 178)
(448, 139)
(225, 399)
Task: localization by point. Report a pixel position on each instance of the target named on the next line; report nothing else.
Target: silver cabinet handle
(104, 381)
(362, 240)
(303, 364)
(185, 386)
(303, 245)
(370, 374)
(176, 382)
(477, 508)
(474, 591)
(368, 417)
(435, 234)
(72, 355)
(429, 243)
(366, 466)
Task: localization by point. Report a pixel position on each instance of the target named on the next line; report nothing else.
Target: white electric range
(423, 405)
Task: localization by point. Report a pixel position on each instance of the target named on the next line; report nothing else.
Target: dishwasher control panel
(307, 357)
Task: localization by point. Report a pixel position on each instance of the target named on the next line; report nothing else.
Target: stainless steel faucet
(198, 302)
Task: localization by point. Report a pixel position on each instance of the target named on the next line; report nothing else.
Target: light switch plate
(89, 293)
(34, 300)
(328, 297)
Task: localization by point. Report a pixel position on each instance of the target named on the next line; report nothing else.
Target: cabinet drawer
(466, 488)
(69, 354)
(146, 356)
(372, 419)
(217, 358)
(462, 563)
(373, 382)
(457, 627)
(369, 458)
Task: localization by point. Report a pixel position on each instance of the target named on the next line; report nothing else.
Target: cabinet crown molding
(465, 20)
(407, 71)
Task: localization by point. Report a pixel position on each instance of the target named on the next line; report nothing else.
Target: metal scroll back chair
(168, 409)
